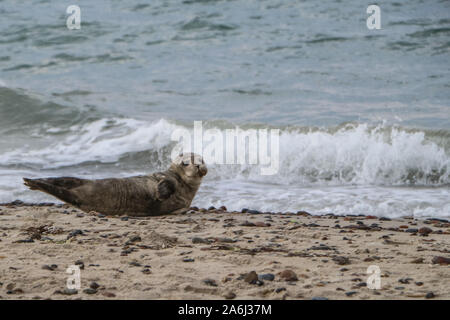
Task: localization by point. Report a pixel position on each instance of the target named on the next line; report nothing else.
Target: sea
(363, 114)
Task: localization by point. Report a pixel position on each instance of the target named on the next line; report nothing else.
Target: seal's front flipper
(165, 189)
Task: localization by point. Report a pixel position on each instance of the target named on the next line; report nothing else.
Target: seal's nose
(202, 170)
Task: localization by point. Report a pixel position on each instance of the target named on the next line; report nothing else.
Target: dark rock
(350, 293)
(429, 295)
(441, 260)
(412, 230)
(266, 276)
(90, 291)
(425, 231)
(288, 275)
(133, 239)
(50, 268)
(404, 280)
(229, 295)
(74, 233)
(254, 212)
(69, 292)
(278, 290)
(94, 285)
(28, 240)
(188, 260)
(200, 240)
(108, 294)
(251, 277)
(210, 282)
(319, 298)
(341, 260)
(80, 264)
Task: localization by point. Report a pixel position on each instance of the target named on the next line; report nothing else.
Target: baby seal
(156, 194)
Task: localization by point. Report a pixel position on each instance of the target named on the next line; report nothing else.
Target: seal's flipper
(165, 189)
(53, 187)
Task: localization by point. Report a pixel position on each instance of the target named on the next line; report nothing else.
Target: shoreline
(216, 254)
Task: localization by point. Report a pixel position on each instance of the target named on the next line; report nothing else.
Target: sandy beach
(216, 254)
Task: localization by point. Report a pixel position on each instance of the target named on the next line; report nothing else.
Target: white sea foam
(354, 169)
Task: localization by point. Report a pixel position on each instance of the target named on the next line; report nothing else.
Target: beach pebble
(418, 260)
(405, 280)
(429, 295)
(69, 292)
(425, 231)
(229, 295)
(440, 260)
(350, 293)
(50, 268)
(266, 276)
(90, 291)
(74, 233)
(200, 240)
(319, 298)
(108, 294)
(288, 275)
(340, 260)
(210, 282)
(251, 277)
(80, 264)
(94, 285)
(188, 260)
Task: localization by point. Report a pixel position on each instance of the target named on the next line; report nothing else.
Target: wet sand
(216, 254)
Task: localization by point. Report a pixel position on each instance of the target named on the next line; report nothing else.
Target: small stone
(319, 298)
(188, 260)
(90, 291)
(200, 240)
(251, 277)
(440, 260)
(94, 285)
(350, 293)
(404, 280)
(429, 295)
(80, 264)
(341, 260)
(266, 276)
(50, 268)
(425, 231)
(69, 292)
(10, 286)
(108, 294)
(418, 260)
(124, 219)
(229, 295)
(288, 275)
(210, 282)
(278, 290)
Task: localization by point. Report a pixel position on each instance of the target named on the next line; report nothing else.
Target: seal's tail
(54, 188)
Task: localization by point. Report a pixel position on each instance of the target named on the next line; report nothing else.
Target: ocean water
(364, 114)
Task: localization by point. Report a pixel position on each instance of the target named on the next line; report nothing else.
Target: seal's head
(190, 167)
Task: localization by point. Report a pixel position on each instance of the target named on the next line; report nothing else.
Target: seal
(171, 191)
